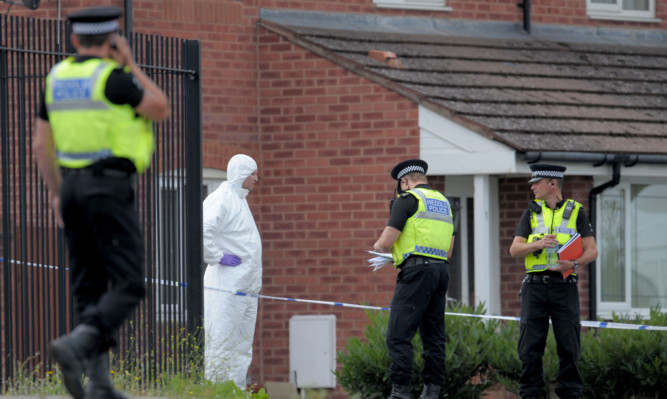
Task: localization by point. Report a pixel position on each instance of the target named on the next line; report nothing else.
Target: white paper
(379, 260)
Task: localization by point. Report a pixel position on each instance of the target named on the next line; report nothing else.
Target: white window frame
(211, 179)
(461, 187)
(432, 5)
(169, 181)
(617, 13)
(605, 309)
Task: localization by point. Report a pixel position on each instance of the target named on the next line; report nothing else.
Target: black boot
(99, 383)
(430, 391)
(399, 392)
(72, 352)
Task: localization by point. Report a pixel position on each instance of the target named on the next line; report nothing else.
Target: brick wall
(227, 32)
(195, 16)
(514, 196)
(328, 141)
(563, 12)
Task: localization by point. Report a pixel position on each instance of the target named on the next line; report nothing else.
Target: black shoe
(95, 391)
(71, 352)
(430, 391)
(399, 392)
(99, 384)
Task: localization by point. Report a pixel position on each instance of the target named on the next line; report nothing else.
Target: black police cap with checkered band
(409, 166)
(546, 171)
(95, 21)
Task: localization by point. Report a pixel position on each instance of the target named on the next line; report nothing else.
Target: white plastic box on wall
(312, 351)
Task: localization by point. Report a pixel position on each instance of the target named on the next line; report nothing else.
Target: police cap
(543, 170)
(409, 166)
(95, 21)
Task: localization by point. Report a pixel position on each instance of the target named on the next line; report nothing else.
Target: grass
(38, 382)
(138, 374)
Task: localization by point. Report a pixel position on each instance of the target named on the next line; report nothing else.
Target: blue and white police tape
(584, 323)
(152, 280)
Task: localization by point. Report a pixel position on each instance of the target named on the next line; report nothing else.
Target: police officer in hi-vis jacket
(550, 221)
(420, 236)
(95, 127)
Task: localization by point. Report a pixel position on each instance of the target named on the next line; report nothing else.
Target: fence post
(193, 191)
(8, 356)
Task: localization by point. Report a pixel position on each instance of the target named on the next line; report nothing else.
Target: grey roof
(587, 94)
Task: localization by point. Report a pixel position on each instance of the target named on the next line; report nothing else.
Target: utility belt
(97, 171)
(549, 278)
(420, 261)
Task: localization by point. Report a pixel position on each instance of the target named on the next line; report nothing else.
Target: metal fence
(34, 289)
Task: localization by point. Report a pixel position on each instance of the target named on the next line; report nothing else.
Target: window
(632, 262)
(436, 5)
(170, 251)
(627, 10)
(462, 261)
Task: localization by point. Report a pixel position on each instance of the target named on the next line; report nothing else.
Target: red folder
(571, 250)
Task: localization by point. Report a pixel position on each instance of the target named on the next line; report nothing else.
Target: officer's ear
(75, 41)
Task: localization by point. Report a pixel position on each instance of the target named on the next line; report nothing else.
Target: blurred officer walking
(95, 124)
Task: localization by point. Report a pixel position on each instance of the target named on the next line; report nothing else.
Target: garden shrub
(625, 363)
(365, 363)
(481, 353)
(504, 360)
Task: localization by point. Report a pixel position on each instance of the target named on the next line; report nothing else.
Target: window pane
(604, 1)
(470, 210)
(611, 236)
(455, 280)
(635, 5)
(649, 266)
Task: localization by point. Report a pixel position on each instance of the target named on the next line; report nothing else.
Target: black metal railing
(34, 288)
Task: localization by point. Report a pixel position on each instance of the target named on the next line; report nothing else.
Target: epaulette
(535, 207)
(405, 194)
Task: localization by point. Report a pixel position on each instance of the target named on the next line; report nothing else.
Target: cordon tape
(584, 323)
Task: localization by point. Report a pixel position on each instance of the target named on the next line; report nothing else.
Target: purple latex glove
(230, 260)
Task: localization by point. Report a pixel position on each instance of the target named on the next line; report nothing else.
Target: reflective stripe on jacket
(429, 231)
(550, 222)
(86, 126)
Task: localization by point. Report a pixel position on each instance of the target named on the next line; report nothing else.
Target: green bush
(365, 364)
(481, 353)
(625, 363)
(504, 359)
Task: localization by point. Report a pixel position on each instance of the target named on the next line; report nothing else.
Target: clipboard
(571, 250)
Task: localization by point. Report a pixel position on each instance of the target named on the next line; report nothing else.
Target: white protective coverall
(229, 320)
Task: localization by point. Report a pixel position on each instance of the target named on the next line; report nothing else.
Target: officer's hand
(377, 247)
(563, 266)
(549, 241)
(55, 203)
(122, 52)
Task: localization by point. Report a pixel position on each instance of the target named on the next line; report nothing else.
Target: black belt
(420, 261)
(549, 279)
(97, 172)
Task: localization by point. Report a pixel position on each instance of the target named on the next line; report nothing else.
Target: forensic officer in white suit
(233, 252)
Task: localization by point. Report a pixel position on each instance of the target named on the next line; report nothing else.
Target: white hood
(239, 168)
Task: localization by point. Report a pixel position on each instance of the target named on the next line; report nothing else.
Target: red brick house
(328, 96)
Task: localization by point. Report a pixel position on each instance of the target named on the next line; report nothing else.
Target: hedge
(482, 353)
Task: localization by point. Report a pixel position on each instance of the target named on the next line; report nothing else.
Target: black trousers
(560, 302)
(106, 254)
(418, 303)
